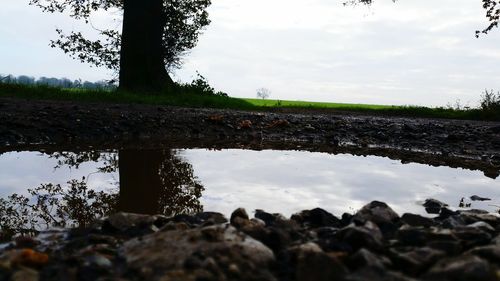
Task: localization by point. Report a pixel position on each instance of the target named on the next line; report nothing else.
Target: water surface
(77, 187)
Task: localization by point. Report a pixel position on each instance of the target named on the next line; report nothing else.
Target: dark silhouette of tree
(154, 37)
(157, 182)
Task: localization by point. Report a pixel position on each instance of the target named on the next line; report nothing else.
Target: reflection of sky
(281, 181)
(290, 181)
(22, 170)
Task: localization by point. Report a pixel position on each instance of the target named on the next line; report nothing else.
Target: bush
(201, 86)
(490, 101)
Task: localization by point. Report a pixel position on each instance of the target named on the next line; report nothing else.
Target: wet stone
(417, 220)
(241, 214)
(416, 260)
(164, 253)
(314, 264)
(367, 236)
(316, 218)
(462, 268)
(363, 258)
(490, 252)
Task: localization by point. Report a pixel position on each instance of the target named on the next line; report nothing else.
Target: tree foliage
(184, 20)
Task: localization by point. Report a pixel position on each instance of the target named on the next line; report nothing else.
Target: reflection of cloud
(22, 170)
(301, 180)
(282, 181)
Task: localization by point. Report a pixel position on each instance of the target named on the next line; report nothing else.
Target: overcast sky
(412, 52)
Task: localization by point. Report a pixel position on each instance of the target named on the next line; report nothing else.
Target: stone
(413, 236)
(239, 213)
(164, 253)
(125, 221)
(417, 220)
(316, 218)
(314, 264)
(363, 258)
(490, 252)
(377, 212)
(462, 268)
(451, 248)
(367, 236)
(472, 237)
(417, 260)
(25, 274)
(377, 275)
(268, 218)
(479, 198)
(433, 206)
(484, 226)
(208, 218)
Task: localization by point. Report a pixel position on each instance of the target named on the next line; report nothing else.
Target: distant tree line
(57, 82)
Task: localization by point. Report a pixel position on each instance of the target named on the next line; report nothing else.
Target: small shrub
(201, 86)
(490, 101)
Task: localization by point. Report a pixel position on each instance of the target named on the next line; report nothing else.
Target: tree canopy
(183, 22)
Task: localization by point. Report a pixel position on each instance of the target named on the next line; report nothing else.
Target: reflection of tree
(151, 182)
(157, 182)
(108, 161)
(51, 205)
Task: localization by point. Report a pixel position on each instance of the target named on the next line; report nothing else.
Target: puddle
(70, 189)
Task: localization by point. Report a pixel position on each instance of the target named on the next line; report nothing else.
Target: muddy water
(68, 188)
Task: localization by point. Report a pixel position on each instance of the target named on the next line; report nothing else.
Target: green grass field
(317, 105)
(187, 98)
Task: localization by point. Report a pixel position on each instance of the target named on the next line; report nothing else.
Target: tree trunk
(140, 183)
(142, 66)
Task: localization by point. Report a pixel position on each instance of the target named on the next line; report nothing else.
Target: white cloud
(398, 53)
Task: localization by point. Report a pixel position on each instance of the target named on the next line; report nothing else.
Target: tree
(154, 37)
(263, 93)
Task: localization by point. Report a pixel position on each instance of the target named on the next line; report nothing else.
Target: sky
(416, 52)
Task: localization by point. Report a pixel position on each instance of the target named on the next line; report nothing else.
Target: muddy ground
(58, 125)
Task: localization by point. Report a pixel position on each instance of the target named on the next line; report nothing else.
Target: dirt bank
(29, 124)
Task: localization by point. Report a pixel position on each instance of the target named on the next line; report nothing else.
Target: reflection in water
(151, 182)
(157, 182)
(169, 182)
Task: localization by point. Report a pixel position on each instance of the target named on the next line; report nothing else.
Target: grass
(189, 97)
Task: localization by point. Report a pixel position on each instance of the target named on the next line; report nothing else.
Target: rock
(268, 218)
(195, 251)
(413, 236)
(451, 248)
(316, 218)
(367, 236)
(433, 206)
(417, 220)
(314, 264)
(377, 212)
(490, 252)
(471, 236)
(25, 274)
(98, 260)
(239, 213)
(363, 258)
(377, 275)
(462, 268)
(126, 221)
(417, 260)
(209, 218)
(482, 226)
(479, 198)
(204, 218)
